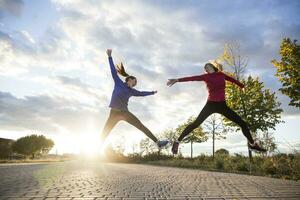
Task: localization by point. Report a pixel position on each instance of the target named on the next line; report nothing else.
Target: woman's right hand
(172, 82)
(108, 52)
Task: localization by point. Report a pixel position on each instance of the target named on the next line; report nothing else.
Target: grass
(283, 166)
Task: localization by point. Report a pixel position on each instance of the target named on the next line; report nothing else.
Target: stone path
(106, 181)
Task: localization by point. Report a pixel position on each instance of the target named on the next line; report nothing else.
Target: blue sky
(54, 76)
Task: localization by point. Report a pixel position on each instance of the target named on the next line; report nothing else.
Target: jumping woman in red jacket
(215, 82)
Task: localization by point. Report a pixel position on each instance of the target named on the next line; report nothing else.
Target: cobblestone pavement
(106, 181)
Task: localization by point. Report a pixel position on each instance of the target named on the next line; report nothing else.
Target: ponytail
(121, 70)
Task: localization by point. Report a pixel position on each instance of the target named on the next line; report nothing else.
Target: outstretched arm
(113, 68)
(185, 79)
(142, 93)
(232, 80)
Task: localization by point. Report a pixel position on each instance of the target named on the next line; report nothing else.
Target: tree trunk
(249, 151)
(191, 149)
(250, 158)
(213, 144)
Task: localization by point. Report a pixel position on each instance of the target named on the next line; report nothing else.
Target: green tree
(196, 136)
(147, 146)
(258, 106)
(170, 135)
(222, 152)
(214, 125)
(288, 70)
(237, 64)
(5, 148)
(269, 142)
(32, 145)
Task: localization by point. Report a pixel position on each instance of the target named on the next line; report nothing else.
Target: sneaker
(257, 147)
(175, 147)
(162, 143)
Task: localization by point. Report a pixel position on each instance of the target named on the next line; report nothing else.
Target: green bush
(219, 163)
(242, 166)
(269, 167)
(283, 166)
(295, 166)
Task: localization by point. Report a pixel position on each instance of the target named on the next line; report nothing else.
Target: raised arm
(192, 78)
(142, 93)
(185, 79)
(232, 80)
(113, 68)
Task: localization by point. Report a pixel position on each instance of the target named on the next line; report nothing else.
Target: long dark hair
(121, 70)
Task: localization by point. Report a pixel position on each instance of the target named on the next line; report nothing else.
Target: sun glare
(89, 144)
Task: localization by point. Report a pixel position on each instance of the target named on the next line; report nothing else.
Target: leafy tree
(237, 64)
(288, 70)
(32, 145)
(214, 125)
(269, 142)
(170, 135)
(196, 136)
(222, 152)
(5, 147)
(147, 146)
(258, 106)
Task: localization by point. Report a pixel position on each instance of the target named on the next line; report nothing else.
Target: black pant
(118, 115)
(217, 107)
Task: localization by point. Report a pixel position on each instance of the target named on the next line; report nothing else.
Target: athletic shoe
(162, 143)
(175, 147)
(256, 147)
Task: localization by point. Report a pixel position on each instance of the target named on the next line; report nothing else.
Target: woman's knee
(243, 124)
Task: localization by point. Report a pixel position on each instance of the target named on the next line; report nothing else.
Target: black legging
(217, 107)
(117, 115)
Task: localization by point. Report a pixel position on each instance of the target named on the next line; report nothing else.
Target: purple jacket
(121, 92)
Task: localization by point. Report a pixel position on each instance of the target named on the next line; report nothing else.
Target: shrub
(242, 166)
(269, 167)
(295, 167)
(282, 166)
(219, 163)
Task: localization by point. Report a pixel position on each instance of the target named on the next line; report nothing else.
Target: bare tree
(233, 60)
(214, 125)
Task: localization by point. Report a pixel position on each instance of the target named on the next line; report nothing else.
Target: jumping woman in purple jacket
(119, 101)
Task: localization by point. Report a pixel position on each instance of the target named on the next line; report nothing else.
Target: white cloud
(156, 41)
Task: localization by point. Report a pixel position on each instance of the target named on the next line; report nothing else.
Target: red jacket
(215, 83)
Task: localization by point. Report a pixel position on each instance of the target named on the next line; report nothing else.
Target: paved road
(95, 180)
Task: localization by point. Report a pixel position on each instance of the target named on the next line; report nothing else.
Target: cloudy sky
(55, 79)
